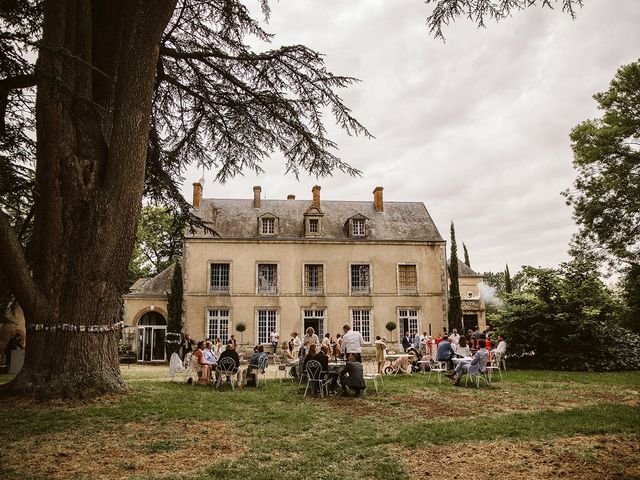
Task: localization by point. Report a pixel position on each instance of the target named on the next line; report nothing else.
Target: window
(357, 227)
(218, 324)
(267, 323)
(407, 279)
(314, 225)
(313, 281)
(268, 226)
(361, 322)
(219, 281)
(315, 320)
(470, 294)
(408, 320)
(360, 281)
(267, 278)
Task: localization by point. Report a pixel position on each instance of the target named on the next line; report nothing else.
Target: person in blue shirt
(445, 352)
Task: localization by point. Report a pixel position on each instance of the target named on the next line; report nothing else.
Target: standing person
(217, 347)
(424, 338)
(352, 342)
(406, 343)
(455, 338)
(309, 339)
(381, 346)
(477, 334)
(338, 350)
(297, 344)
(186, 346)
(232, 341)
(416, 341)
(327, 339)
(275, 339)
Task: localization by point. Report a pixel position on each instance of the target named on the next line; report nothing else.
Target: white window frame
(277, 282)
(269, 326)
(265, 223)
(323, 323)
(358, 290)
(406, 291)
(220, 290)
(417, 319)
(307, 291)
(208, 318)
(361, 232)
(357, 323)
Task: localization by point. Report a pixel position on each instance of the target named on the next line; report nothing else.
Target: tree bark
(96, 72)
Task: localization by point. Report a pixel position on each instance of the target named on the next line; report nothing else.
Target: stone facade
(473, 307)
(290, 264)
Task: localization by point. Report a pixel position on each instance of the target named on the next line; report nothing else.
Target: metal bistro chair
(371, 375)
(438, 368)
(315, 376)
(494, 366)
(481, 375)
(261, 369)
(227, 368)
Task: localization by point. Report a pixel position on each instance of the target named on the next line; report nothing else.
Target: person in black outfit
(230, 351)
(352, 376)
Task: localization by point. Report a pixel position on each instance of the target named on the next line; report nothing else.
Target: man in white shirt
(352, 342)
(455, 338)
(502, 345)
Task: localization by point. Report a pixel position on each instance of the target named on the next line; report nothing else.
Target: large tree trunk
(96, 72)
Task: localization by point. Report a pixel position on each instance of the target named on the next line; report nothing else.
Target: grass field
(531, 425)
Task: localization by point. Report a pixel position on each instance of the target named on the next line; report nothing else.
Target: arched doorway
(152, 329)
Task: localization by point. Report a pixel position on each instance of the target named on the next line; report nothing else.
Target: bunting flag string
(67, 327)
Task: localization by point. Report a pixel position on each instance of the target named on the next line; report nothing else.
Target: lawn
(530, 425)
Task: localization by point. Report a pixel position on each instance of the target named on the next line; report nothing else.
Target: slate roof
(159, 285)
(465, 271)
(400, 221)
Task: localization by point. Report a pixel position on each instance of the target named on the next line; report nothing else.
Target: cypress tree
(455, 303)
(466, 255)
(174, 301)
(508, 288)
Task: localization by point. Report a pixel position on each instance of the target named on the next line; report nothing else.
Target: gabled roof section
(400, 221)
(313, 211)
(465, 271)
(159, 285)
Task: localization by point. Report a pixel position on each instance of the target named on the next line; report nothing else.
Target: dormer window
(313, 222)
(268, 225)
(357, 227)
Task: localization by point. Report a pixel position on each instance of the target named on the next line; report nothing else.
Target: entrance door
(315, 320)
(469, 322)
(152, 329)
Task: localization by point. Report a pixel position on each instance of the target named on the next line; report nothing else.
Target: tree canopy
(606, 193)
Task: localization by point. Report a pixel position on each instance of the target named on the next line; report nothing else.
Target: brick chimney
(291, 197)
(377, 199)
(257, 190)
(316, 196)
(197, 194)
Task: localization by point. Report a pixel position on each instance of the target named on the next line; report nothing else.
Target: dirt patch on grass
(584, 457)
(125, 449)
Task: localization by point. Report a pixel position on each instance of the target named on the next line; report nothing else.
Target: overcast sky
(476, 128)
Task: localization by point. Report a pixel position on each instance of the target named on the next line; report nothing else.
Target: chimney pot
(378, 204)
(316, 196)
(197, 194)
(257, 190)
(291, 197)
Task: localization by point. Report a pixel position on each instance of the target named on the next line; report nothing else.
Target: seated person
(311, 353)
(445, 352)
(463, 349)
(502, 346)
(230, 352)
(204, 369)
(352, 376)
(209, 356)
(478, 364)
(254, 362)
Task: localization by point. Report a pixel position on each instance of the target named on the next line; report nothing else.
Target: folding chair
(281, 367)
(371, 374)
